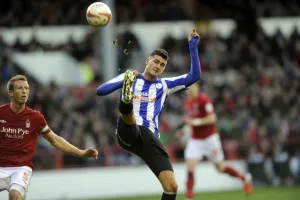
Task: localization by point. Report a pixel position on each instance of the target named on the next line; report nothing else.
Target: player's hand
(135, 72)
(194, 38)
(90, 153)
(193, 34)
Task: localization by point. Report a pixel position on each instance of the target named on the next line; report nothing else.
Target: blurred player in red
(205, 140)
(20, 127)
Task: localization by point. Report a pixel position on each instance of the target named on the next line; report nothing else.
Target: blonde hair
(10, 84)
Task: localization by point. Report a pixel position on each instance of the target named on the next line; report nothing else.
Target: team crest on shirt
(158, 85)
(27, 123)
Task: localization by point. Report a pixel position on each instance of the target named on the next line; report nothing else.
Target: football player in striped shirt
(141, 104)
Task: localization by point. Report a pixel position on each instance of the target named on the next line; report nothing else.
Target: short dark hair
(10, 84)
(160, 52)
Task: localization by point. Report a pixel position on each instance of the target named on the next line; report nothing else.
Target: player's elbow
(192, 78)
(196, 77)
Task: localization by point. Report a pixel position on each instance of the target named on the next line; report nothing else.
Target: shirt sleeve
(208, 105)
(110, 86)
(42, 124)
(182, 82)
(209, 108)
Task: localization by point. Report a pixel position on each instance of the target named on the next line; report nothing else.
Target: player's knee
(219, 167)
(168, 181)
(171, 186)
(15, 195)
(174, 186)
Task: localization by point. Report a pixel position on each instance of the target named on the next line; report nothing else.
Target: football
(98, 14)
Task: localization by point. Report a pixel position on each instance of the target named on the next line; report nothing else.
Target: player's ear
(10, 93)
(147, 61)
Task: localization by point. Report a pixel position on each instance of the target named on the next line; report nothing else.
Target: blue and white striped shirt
(150, 96)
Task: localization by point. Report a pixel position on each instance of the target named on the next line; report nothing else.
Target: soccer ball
(98, 14)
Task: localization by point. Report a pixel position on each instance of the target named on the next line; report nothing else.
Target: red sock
(190, 185)
(233, 172)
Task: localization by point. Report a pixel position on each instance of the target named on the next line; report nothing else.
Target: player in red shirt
(20, 127)
(205, 140)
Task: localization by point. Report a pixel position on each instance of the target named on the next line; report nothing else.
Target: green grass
(257, 194)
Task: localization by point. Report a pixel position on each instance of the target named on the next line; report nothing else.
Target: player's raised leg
(168, 182)
(127, 130)
(125, 103)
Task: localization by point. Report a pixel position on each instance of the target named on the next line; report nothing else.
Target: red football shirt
(200, 107)
(19, 135)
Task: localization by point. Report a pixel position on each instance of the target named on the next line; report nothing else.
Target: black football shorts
(143, 143)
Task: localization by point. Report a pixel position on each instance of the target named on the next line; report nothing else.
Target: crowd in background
(254, 83)
(57, 12)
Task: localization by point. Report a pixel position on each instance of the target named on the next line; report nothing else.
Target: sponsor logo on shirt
(2, 121)
(17, 133)
(142, 98)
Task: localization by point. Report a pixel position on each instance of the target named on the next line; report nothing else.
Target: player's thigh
(20, 180)
(4, 178)
(194, 149)
(157, 162)
(214, 148)
(128, 135)
(153, 153)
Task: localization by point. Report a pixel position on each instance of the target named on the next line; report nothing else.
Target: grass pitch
(292, 193)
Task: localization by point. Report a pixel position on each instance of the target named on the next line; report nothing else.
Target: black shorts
(143, 143)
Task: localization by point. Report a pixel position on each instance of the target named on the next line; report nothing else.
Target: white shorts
(210, 147)
(17, 178)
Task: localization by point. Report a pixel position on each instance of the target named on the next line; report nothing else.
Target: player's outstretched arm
(181, 82)
(195, 70)
(68, 148)
(110, 86)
